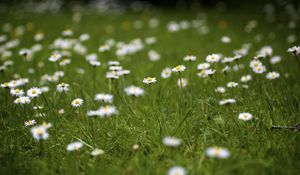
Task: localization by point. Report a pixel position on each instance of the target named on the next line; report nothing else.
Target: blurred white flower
(245, 116)
(74, 146)
(272, 75)
(171, 141)
(177, 170)
(217, 152)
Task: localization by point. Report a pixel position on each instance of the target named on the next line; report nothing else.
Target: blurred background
(138, 5)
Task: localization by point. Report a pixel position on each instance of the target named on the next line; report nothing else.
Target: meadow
(66, 108)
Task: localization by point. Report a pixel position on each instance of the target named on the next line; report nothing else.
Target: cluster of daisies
(66, 46)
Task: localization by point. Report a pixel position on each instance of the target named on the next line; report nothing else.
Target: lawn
(133, 139)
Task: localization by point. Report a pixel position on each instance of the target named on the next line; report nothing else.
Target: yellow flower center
(149, 79)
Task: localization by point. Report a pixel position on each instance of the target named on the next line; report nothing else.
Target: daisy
(225, 39)
(255, 63)
(246, 78)
(190, 58)
(95, 63)
(24, 52)
(5, 85)
(135, 146)
(54, 57)
(30, 123)
(149, 80)
(182, 82)
(134, 91)
(34, 92)
(232, 84)
(62, 87)
(203, 66)
(22, 100)
(153, 55)
(107, 111)
(177, 170)
(294, 50)
(39, 132)
(245, 116)
(150, 40)
(61, 111)
(179, 68)
(217, 152)
(77, 102)
(213, 58)
(275, 59)
(17, 92)
(166, 73)
(74, 146)
(266, 50)
(272, 75)
(220, 90)
(259, 69)
(97, 152)
(113, 63)
(227, 101)
(209, 72)
(106, 98)
(171, 141)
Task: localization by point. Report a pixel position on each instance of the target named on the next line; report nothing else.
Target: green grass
(254, 148)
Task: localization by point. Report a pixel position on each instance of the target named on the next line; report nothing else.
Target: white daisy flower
(97, 152)
(213, 58)
(203, 66)
(272, 75)
(107, 111)
(266, 50)
(153, 55)
(55, 57)
(106, 98)
(134, 91)
(135, 146)
(62, 87)
(179, 68)
(40, 132)
(74, 146)
(294, 50)
(259, 69)
(182, 83)
(255, 63)
(30, 123)
(220, 90)
(166, 73)
(5, 85)
(22, 100)
(217, 152)
(232, 84)
(245, 116)
(149, 80)
(227, 101)
(190, 58)
(171, 141)
(34, 92)
(275, 59)
(246, 78)
(17, 92)
(225, 39)
(177, 170)
(95, 63)
(77, 102)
